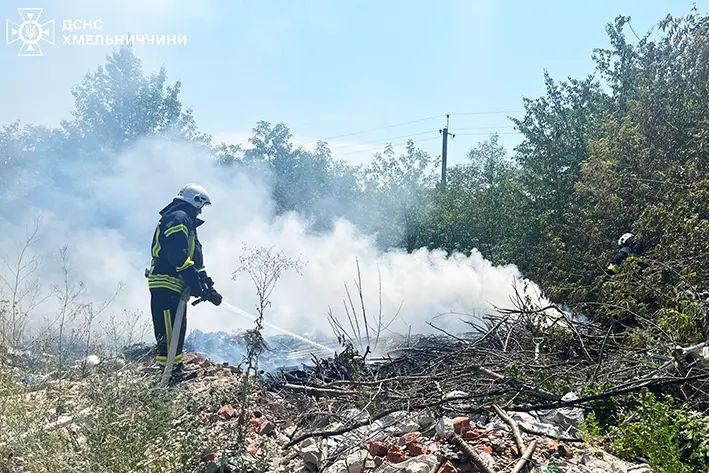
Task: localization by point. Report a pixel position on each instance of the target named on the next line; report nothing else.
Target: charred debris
(509, 396)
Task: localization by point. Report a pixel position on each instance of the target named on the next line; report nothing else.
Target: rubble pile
(511, 399)
(353, 440)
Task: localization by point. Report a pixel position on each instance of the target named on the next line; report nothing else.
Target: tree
(117, 104)
(309, 183)
(479, 206)
(395, 189)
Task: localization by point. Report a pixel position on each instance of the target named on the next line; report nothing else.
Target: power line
(419, 120)
(386, 140)
(485, 113)
(379, 148)
(382, 128)
(485, 127)
(486, 134)
(404, 142)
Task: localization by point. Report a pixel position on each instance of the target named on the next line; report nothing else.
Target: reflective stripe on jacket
(175, 247)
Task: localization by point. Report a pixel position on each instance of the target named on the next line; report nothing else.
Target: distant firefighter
(629, 248)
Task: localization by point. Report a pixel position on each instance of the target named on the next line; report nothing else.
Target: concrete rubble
(351, 440)
(401, 442)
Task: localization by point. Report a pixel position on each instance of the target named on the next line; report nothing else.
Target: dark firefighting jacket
(626, 252)
(176, 250)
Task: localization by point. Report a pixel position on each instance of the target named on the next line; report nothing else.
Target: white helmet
(625, 239)
(195, 195)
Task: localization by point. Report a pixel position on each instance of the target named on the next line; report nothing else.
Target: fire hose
(207, 285)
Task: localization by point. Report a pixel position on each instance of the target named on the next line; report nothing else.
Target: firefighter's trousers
(163, 305)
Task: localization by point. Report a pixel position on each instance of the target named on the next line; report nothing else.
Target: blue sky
(332, 68)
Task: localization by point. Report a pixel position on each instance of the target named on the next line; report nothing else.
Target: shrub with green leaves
(672, 438)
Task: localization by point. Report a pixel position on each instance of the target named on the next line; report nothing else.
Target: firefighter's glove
(213, 296)
(191, 278)
(205, 280)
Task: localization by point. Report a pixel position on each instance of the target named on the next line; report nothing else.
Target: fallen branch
(525, 457)
(470, 453)
(600, 355)
(515, 428)
(598, 397)
(358, 424)
(62, 422)
(340, 431)
(517, 384)
(318, 392)
(67, 420)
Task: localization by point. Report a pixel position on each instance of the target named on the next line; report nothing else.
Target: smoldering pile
(281, 352)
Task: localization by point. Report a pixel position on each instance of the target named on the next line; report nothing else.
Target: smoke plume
(108, 225)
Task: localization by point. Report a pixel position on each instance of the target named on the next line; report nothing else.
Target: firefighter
(177, 270)
(629, 248)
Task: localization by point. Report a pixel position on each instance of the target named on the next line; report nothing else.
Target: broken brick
(447, 467)
(227, 412)
(415, 449)
(395, 455)
(433, 448)
(461, 425)
(210, 457)
(378, 449)
(266, 428)
(409, 438)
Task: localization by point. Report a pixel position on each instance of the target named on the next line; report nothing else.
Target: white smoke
(109, 235)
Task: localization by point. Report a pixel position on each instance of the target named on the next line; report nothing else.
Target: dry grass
(112, 422)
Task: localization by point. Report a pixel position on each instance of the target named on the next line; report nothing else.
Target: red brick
(415, 449)
(395, 455)
(227, 412)
(255, 424)
(461, 425)
(410, 437)
(447, 467)
(378, 449)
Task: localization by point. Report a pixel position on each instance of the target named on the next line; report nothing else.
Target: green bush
(674, 440)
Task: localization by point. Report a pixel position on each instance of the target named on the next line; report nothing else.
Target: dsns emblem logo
(30, 32)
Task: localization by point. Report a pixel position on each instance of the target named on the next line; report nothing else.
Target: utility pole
(444, 163)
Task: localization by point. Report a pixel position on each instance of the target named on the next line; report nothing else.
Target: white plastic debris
(444, 427)
(420, 464)
(353, 463)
